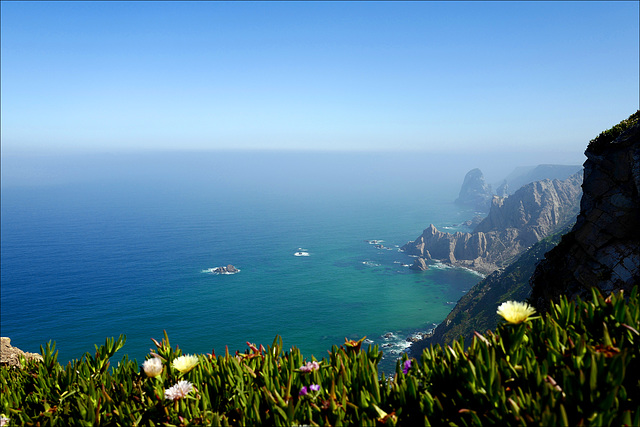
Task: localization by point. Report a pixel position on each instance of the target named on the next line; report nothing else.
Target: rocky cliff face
(476, 310)
(475, 193)
(513, 225)
(603, 249)
(524, 175)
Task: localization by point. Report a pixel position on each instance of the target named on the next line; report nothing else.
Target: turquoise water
(127, 248)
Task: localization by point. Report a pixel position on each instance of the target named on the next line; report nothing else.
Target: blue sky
(361, 76)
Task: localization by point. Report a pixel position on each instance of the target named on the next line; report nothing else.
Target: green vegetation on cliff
(578, 365)
(597, 144)
(476, 310)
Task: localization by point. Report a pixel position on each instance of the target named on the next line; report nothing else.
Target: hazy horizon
(425, 77)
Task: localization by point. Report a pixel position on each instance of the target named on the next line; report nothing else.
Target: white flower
(185, 363)
(515, 312)
(4, 421)
(178, 391)
(152, 367)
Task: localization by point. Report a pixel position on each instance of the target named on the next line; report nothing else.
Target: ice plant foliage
(178, 391)
(515, 312)
(152, 367)
(576, 367)
(310, 367)
(185, 363)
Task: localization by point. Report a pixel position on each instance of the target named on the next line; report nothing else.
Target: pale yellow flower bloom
(185, 363)
(515, 312)
(152, 367)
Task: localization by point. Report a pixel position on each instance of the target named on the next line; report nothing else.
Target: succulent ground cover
(576, 365)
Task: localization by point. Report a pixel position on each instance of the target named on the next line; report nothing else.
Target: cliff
(603, 249)
(475, 193)
(514, 224)
(476, 310)
(524, 175)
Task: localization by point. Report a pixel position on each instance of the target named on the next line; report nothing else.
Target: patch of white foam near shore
(477, 273)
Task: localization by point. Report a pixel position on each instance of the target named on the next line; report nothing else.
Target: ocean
(93, 246)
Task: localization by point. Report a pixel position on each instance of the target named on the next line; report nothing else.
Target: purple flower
(407, 366)
(315, 387)
(303, 391)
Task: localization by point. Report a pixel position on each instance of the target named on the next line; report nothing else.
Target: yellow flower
(515, 312)
(152, 367)
(185, 363)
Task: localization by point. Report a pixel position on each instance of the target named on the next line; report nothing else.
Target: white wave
(213, 271)
(371, 264)
(477, 273)
(440, 266)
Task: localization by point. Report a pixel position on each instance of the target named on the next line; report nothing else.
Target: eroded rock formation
(475, 193)
(513, 225)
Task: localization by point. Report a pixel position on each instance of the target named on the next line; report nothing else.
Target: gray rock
(514, 223)
(603, 249)
(10, 356)
(419, 264)
(475, 193)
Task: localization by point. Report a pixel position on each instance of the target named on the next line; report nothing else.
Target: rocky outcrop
(229, 269)
(513, 225)
(10, 356)
(420, 264)
(475, 193)
(603, 249)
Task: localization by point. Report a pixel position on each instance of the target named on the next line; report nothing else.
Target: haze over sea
(101, 245)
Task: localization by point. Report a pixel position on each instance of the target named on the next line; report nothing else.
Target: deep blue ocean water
(99, 246)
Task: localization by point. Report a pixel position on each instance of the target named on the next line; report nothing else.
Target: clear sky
(426, 76)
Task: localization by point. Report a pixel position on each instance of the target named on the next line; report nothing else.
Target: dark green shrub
(597, 144)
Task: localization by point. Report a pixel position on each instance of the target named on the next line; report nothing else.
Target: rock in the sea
(229, 269)
(10, 356)
(419, 264)
(603, 249)
(475, 193)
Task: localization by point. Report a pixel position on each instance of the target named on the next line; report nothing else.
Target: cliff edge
(603, 248)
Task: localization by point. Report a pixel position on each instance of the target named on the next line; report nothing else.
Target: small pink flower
(310, 367)
(303, 391)
(315, 387)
